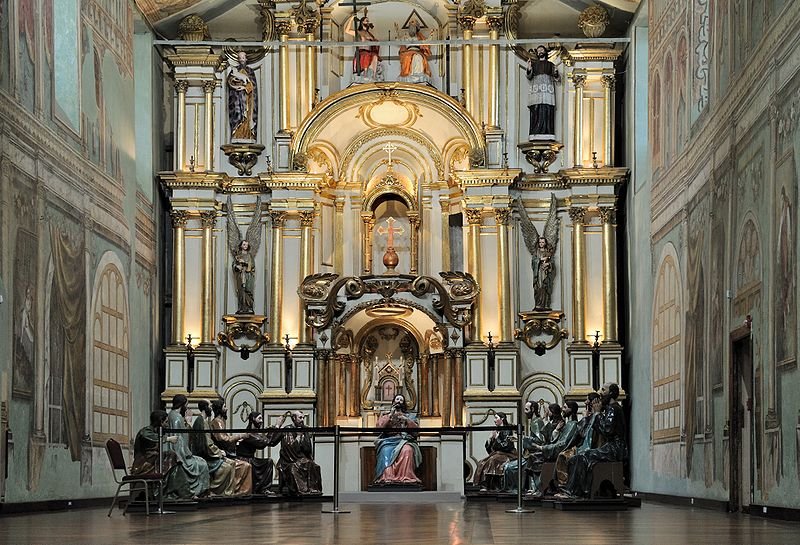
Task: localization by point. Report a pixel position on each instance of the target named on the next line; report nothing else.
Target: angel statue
(542, 249)
(243, 252)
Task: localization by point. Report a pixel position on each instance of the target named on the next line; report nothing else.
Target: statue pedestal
(243, 156)
(283, 146)
(205, 378)
(176, 371)
(540, 154)
(580, 371)
(537, 326)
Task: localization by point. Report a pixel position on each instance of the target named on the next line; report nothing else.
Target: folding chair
(115, 456)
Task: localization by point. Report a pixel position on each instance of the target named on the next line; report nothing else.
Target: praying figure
(298, 474)
(414, 58)
(397, 452)
(543, 77)
(500, 447)
(242, 101)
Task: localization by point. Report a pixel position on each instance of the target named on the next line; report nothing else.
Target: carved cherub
(542, 249)
(243, 251)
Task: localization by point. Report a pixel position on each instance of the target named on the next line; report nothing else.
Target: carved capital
(208, 218)
(577, 214)
(466, 22)
(181, 85)
(209, 86)
(179, 218)
(474, 216)
(607, 214)
(579, 80)
(445, 206)
(283, 27)
(413, 219)
(609, 81)
(495, 23)
(307, 218)
(502, 215)
(338, 204)
(277, 218)
(310, 26)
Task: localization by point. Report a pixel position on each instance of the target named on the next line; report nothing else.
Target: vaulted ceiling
(239, 19)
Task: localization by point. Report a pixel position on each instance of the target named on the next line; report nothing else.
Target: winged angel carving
(243, 251)
(542, 249)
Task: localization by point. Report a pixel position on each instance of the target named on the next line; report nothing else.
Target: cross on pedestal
(390, 230)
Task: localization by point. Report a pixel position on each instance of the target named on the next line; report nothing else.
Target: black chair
(115, 456)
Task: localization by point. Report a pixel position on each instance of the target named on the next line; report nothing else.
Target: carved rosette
(473, 8)
(243, 326)
(243, 156)
(538, 324)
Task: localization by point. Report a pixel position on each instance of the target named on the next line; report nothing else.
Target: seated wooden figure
(500, 447)
(254, 441)
(397, 452)
(298, 474)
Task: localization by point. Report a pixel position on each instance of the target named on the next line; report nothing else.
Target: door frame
(736, 416)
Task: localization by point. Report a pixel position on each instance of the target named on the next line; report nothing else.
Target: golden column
(354, 407)
(179, 218)
(341, 360)
(208, 89)
(424, 385)
(338, 237)
(282, 28)
(467, 23)
(474, 220)
(306, 266)
(608, 120)
(445, 234)
(180, 133)
(436, 364)
(579, 80)
(495, 26)
(207, 219)
(413, 220)
(322, 387)
(447, 388)
(607, 216)
(309, 27)
(366, 241)
(458, 387)
(276, 289)
(578, 275)
(502, 216)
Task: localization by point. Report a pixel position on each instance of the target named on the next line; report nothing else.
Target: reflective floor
(401, 524)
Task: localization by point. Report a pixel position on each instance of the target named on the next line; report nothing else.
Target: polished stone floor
(401, 524)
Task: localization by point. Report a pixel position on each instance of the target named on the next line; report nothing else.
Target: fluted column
(179, 218)
(579, 80)
(413, 220)
(282, 28)
(458, 387)
(474, 220)
(502, 216)
(366, 240)
(608, 120)
(436, 390)
(578, 275)
(208, 89)
(306, 266)
(341, 409)
(445, 235)
(607, 216)
(447, 388)
(424, 385)
(180, 131)
(207, 219)
(354, 408)
(495, 26)
(276, 278)
(467, 23)
(338, 237)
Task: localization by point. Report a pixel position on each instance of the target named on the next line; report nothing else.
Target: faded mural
(77, 235)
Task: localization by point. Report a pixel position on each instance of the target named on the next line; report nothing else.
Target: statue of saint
(298, 474)
(243, 473)
(543, 76)
(414, 58)
(221, 470)
(243, 251)
(366, 62)
(145, 447)
(190, 477)
(500, 448)
(263, 468)
(542, 249)
(242, 101)
(397, 452)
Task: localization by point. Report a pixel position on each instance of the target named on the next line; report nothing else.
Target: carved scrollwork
(316, 286)
(243, 327)
(541, 324)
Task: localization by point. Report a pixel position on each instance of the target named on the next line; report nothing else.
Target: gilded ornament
(473, 8)
(578, 80)
(537, 324)
(495, 23)
(474, 216)
(208, 218)
(608, 81)
(607, 214)
(306, 16)
(593, 21)
(502, 216)
(193, 29)
(243, 327)
(283, 27)
(179, 218)
(307, 218)
(181, 85)
(243, 156)
(577, 214)
(277, 218)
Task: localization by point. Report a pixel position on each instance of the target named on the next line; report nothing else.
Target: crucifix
(389, 148)
(355, 4)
